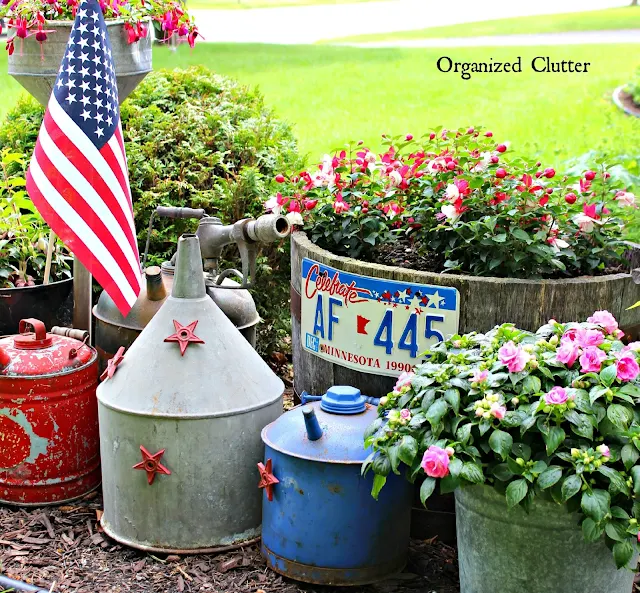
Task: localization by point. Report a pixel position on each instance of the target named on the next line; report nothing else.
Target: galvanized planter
(508, 550)
(180, 420)
(37, 71)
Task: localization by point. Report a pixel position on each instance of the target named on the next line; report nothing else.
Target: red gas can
(49, 443)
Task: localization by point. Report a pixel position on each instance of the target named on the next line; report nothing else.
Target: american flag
(78, 177)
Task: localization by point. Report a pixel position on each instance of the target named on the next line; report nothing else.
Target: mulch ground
(64, 549)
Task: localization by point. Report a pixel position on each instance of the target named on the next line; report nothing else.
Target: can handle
(37, 325)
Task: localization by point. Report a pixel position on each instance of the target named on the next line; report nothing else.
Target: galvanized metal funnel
(36, 71)
(180, 424)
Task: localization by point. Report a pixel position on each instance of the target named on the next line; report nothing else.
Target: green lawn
(595, 20)
(335, 94)
(233, 4)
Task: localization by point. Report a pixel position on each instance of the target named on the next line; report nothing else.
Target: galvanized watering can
(320, 523)
(180, 418)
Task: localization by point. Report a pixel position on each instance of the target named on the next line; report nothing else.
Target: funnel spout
(189, 279)
(314, 432)
(155, 287)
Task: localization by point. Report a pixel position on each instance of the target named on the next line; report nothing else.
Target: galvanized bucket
(507, 550)
(36, 68)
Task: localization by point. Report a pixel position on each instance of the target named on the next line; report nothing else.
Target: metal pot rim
(17, 288)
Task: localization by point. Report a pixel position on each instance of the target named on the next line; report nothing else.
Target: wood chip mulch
(63, 549)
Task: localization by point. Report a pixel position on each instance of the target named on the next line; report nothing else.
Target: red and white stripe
(83, 194)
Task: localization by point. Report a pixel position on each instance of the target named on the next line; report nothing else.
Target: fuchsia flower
(625, 198)
(605, 320)
(340, 206)
(557, 396)
(591, 359)
(627, 368)
(435, 462)
(514, 357)
(568, 352)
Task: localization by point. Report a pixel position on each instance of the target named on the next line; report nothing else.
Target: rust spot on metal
(335, 488)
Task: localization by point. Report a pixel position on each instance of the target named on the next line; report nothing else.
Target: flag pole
(81, 298)
(47, 265)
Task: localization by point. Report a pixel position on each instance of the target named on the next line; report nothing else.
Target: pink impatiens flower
(603, 450)
(591, 359)
(479, 376)
(568, 352)
(556, 397)
(404, 379)
(497, 410)
(605, 320)
(435, 462)
(627, 368)
(514, 357)
(589, 337)
(405, 414)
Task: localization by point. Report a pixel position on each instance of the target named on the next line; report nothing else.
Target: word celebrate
(373, 325)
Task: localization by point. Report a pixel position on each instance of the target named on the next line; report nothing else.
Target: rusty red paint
(112, 364)
(151, 464)
(49, 444)
(267, 479)
(184, 335)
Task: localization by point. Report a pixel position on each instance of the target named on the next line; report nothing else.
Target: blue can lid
(342, 399)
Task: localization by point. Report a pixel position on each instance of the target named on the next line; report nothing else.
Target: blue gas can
(320, 523)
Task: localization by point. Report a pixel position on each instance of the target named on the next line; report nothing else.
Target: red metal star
(267, 479)
(113, 364)
(184, 335)
(151, 464)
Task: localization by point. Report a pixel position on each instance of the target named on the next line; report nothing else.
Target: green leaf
(591, 531)
(408, 449)
(500, 442)
(629, 456)
(608, 375)
(554, 438)
(393, 452)
(571, 486)
(516, 491)
(502, 472)
(622, 553)
(635, 475)
(616, 531)
(427, 488)
(452, 397)
(620, 416)
(464, 432)
(378, 482)
(472, 472)
(436, 411)
(595, 504)
(549, 476)
(519, 234)
(449, 484)
(596, 392)
(617, 482)
(501, 238)
(455, 467)
(531, 385)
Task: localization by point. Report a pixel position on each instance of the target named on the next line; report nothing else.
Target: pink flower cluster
(514, 357)
(582, 344)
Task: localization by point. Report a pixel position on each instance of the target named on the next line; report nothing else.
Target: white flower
(586, 223)
(370, 157)
(452, 192)
(626, 198)
(272, 205)
(557, 244)
(449, 210)
(484, 163)
(395, 178)
(295, 218)
(325, 176)
(436, 165)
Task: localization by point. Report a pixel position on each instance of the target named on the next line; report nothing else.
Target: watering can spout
(314, 432)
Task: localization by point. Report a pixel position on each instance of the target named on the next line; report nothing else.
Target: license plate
(373, 325)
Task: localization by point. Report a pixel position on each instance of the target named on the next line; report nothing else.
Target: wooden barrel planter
(484, 302)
